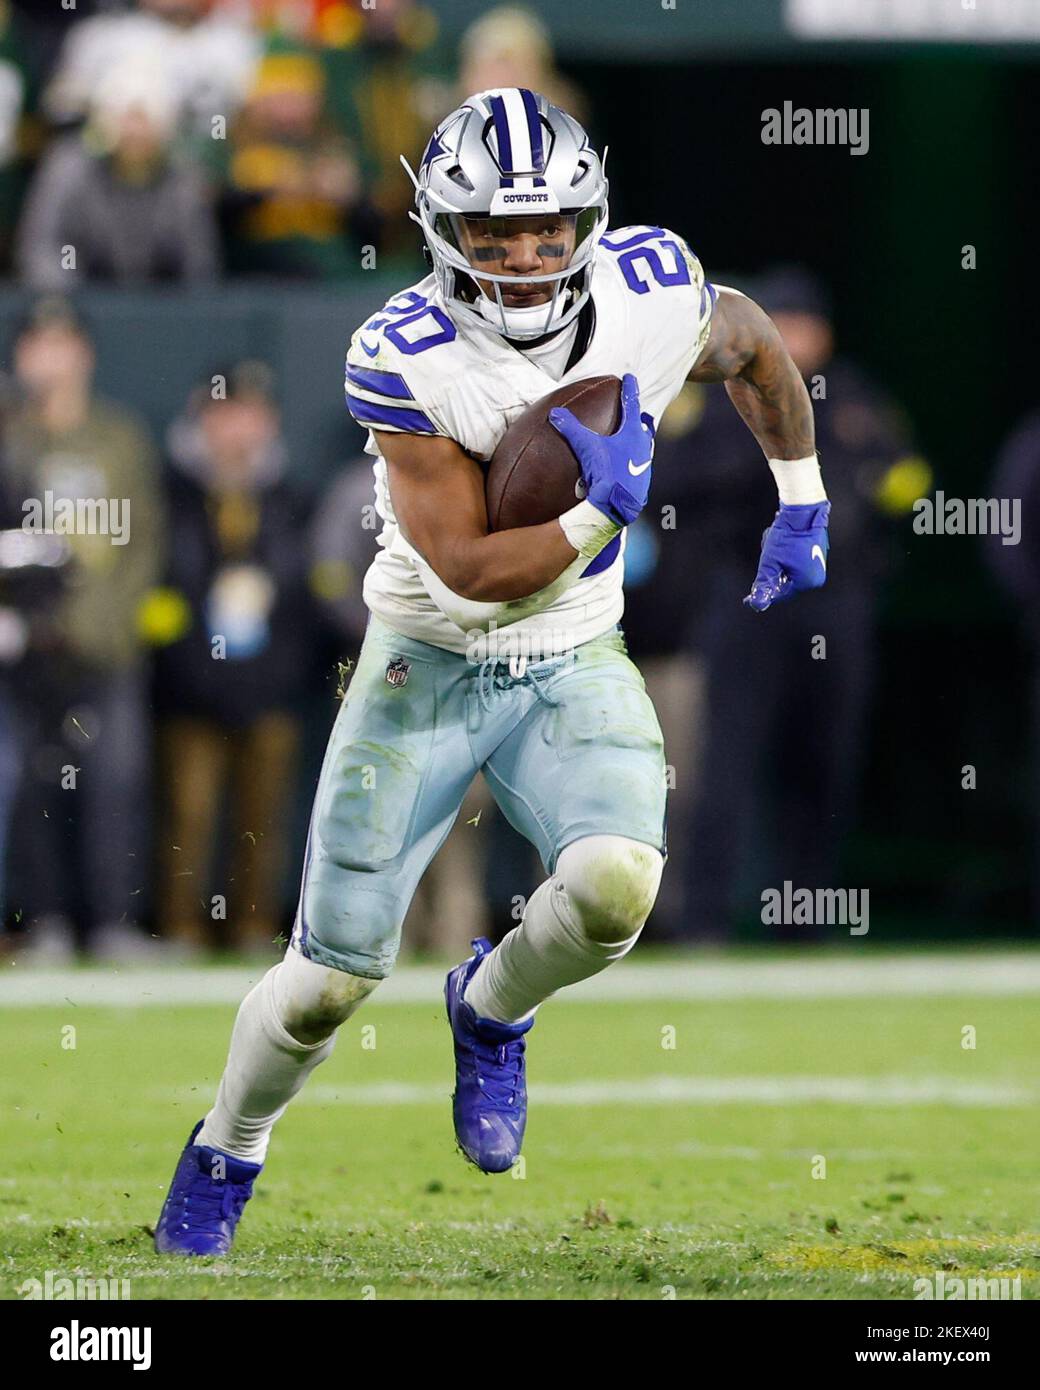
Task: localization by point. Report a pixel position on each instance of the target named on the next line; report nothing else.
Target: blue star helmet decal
(433, 149)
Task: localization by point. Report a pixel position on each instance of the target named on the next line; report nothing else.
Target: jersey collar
(586, 326)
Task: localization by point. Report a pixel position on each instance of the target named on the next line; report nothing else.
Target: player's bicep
(437, 492)
(739, 328)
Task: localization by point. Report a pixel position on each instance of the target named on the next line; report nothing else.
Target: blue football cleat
(490, 1101)
(201, 1210)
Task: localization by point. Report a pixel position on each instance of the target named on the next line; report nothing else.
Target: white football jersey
(411, 368)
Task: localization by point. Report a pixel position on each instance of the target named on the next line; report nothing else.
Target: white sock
(604, 884)
(266, 1064)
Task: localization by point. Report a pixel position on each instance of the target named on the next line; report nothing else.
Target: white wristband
(798, 481)
(588, 529)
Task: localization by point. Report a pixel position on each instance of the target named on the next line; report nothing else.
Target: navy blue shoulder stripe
(401, 418)
(384, 383)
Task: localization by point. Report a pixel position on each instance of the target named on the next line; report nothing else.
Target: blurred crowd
(165, 693)
(177, 141)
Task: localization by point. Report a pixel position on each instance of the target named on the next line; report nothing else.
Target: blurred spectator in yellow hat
(388, 86)
(293, 185)
(113, 202)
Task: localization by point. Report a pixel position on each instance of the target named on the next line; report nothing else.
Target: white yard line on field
(686, 976)
(707, 1090)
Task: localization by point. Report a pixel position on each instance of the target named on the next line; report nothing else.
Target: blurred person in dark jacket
(1017, 567)
(85, 469)
(342, 545)
(231, 675)
(30, 581)
(35, 570)
(113, 202)
(787, 698)
(666, 572)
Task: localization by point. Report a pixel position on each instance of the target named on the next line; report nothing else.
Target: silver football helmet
(507, 160)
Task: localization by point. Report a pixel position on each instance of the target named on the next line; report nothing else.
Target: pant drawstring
(494, 673)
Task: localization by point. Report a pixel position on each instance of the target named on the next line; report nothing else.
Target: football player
(502, 651)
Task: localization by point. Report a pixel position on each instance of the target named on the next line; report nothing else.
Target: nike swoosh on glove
(616, 467)
(794, 555)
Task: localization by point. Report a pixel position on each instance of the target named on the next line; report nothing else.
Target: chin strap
(518, 322)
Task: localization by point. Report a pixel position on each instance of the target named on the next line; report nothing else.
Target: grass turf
(364, 1195)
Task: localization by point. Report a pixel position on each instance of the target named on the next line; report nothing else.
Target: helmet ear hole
(457, 175)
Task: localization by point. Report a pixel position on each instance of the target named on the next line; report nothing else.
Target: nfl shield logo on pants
(397, 671)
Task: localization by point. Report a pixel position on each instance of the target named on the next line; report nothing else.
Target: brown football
(533, 475)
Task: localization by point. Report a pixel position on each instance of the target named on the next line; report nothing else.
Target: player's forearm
(772, 400)
(504, 565)
(438, 499)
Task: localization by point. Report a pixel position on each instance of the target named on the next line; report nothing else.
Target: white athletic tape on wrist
(799, 481)
(588, 529)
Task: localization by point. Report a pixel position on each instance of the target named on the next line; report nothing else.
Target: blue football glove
(616, 467)
(794, 555)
